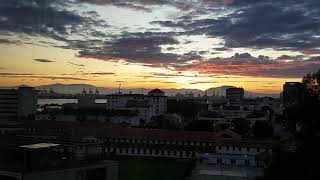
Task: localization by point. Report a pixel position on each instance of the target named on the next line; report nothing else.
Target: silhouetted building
(23, 159)
(235, 95)
(292, 93)
(17, 103)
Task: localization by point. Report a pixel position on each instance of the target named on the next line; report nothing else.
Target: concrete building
(51, 161)
(146, 106)
(235, 95)
(292, 93)
(17, 103)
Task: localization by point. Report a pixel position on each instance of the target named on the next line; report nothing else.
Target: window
(219, 161)
(247, 162)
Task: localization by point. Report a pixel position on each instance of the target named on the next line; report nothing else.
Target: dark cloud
(43, 60)
(75, 64)
(47, 18)
(247, 65)
(47, 77)
(166, 75)
(171, 24)
(314, 58)
(61, 78)
(103, 73)
(311, 51)
(37, 76)
(244, 58)
(292, 58)
(147, 5)
(9, 41)
(141, 48)
(15, 74)
(285, 24)
(81, 73)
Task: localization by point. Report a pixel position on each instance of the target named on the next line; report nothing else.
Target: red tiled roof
(153, 134)
(102, 130)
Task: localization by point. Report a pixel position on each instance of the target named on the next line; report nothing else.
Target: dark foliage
(185, 108)
(200, 125)
(241, 126)
(304, 162)
(262, 129)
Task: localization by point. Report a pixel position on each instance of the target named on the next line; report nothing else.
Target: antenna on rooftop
(119, 90)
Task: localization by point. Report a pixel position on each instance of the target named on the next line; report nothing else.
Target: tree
(241, 126)
(200, 125)
(312, 83)
(262, 129)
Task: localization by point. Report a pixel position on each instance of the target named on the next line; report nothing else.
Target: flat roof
(39, 145)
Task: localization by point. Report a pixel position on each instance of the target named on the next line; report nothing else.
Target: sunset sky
(255, 44)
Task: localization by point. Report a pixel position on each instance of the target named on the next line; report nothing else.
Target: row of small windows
(239, 148)
(50, 129)
(160, 142)
(233, 161)
(155, 152)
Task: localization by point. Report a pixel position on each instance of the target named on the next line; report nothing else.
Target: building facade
(17, 103)
(146, 106)
(235, 95)
(292, 93)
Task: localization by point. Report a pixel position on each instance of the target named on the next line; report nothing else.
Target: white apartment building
(146, 106)
(16, 103)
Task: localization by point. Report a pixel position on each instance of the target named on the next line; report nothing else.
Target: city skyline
(195, 44)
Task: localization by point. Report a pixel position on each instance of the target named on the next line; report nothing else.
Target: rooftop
(39, 145)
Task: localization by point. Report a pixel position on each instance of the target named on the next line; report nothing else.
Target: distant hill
(77, 88)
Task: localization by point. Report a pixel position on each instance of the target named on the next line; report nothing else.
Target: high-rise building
(17, 103)
(235, 95)
(292, 93)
